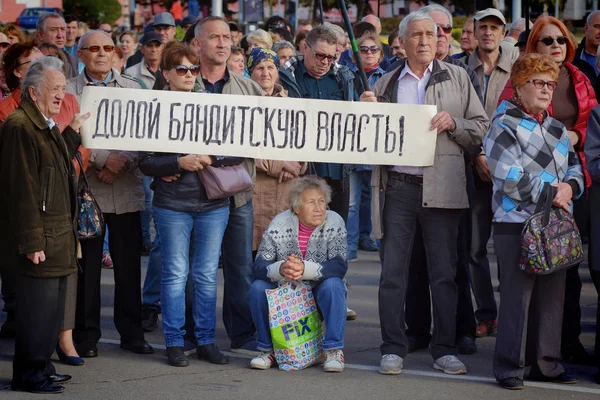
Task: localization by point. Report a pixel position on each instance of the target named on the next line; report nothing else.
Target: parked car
(29, 16)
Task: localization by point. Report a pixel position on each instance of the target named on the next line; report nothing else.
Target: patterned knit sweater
(326, 251)
(522, 156)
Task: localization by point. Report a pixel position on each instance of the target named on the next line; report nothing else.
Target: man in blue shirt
(316, 76)
(589, 44)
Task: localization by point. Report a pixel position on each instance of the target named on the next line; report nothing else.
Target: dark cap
(164, 18)
(151, 37)
(523, 37)
(188, 21)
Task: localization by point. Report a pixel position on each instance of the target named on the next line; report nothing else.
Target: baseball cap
(151, 37)
(490, 12)
(188, 21)
(523, 37)
(164, 18)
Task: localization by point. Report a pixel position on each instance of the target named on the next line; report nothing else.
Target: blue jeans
(237, 274)
(147, 213)
(330, 296)
(105, 245)
(353, 211)
(151, 290)
(190, 240)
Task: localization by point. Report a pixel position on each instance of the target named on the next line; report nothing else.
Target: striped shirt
(304, 233)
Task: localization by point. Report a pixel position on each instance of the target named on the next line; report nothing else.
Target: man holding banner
(431, 197)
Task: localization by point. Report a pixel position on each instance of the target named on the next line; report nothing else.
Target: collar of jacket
(438, 75)
(504, 62)
(81, 81)
(34, 114)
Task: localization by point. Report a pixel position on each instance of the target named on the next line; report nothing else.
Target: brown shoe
(485, 328)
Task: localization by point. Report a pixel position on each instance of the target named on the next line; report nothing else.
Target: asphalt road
(117, 374)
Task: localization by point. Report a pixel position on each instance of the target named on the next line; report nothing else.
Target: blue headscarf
(257, 55)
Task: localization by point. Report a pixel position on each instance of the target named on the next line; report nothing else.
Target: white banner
(270, 128)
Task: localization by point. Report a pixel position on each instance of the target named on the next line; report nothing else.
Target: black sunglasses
(539, 84)
(321, 56)
(549, 41)
(367, 49)
(182, 70)
(4, 45)
(95, 49)
(446, 28)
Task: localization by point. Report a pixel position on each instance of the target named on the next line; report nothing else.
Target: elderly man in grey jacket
(116, 183)
(431, 197)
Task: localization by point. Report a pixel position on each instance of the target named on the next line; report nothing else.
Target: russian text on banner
(258, 127)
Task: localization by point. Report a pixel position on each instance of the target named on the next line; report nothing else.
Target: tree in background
(94, 12)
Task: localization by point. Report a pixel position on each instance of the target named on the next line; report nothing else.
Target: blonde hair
(261, 36)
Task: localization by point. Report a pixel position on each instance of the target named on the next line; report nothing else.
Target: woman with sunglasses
(527, 148)
(572, 102)
(190, 227)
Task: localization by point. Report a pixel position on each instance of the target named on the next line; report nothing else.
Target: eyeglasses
(182, 70)
(549, 41)
(321, 56)
(107, 31)
(539, 84)
(4, 45)
(367, 49)
(446, 28)
(94, 49)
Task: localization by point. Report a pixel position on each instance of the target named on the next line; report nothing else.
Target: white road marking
(429, 374)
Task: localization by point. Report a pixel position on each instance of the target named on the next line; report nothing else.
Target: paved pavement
(117, 374)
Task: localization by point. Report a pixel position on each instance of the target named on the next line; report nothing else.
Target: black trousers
(7, 274)
(340, 196)
(124, 241)
(418, 302)
(40, 303)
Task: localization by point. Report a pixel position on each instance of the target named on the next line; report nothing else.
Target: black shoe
(46, 387)
(417, 343)
(176, 356)
(211, 353)
(8, 330)
(60, 378)
(512, 383)
(575, 353)
(466, 345)
(69, 360)
(149, 319)
(563, 378)
(87, 351)
(139, 346)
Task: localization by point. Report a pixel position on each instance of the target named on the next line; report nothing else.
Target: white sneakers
(391, 364)
(334, 361)
(265, 361)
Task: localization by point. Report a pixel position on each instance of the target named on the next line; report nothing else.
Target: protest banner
(272, 128)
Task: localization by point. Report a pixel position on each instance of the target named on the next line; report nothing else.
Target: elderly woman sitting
(307, 242)
(525, 149)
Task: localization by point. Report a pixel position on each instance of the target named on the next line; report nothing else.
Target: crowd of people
(513, 110)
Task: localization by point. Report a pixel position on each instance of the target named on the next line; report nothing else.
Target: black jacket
(186, 194)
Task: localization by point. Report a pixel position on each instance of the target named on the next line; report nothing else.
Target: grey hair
(589, 17)
(91, 32)
(36, 74)
(203, 21)
(298, 186)
(282, 44)
(41, 23)
(436, 7)
(340, 33)
(321, 32)
(414, 16)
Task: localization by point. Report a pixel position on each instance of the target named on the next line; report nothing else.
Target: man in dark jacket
(39, 186)
(589, 44)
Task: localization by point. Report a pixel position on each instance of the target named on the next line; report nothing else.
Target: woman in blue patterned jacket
(306, 242)
(525, 149)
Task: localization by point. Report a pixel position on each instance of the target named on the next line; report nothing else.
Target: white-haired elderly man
(52, 28)
(432, 197)
(117, 185)
(38, 201)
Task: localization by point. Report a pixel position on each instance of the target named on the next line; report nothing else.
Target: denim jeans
(151, 290)
(237, 274)
(353, 211)
(330, 296)
(147, 213)
(190, 240)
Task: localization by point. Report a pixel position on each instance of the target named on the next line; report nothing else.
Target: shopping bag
(295, 323)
